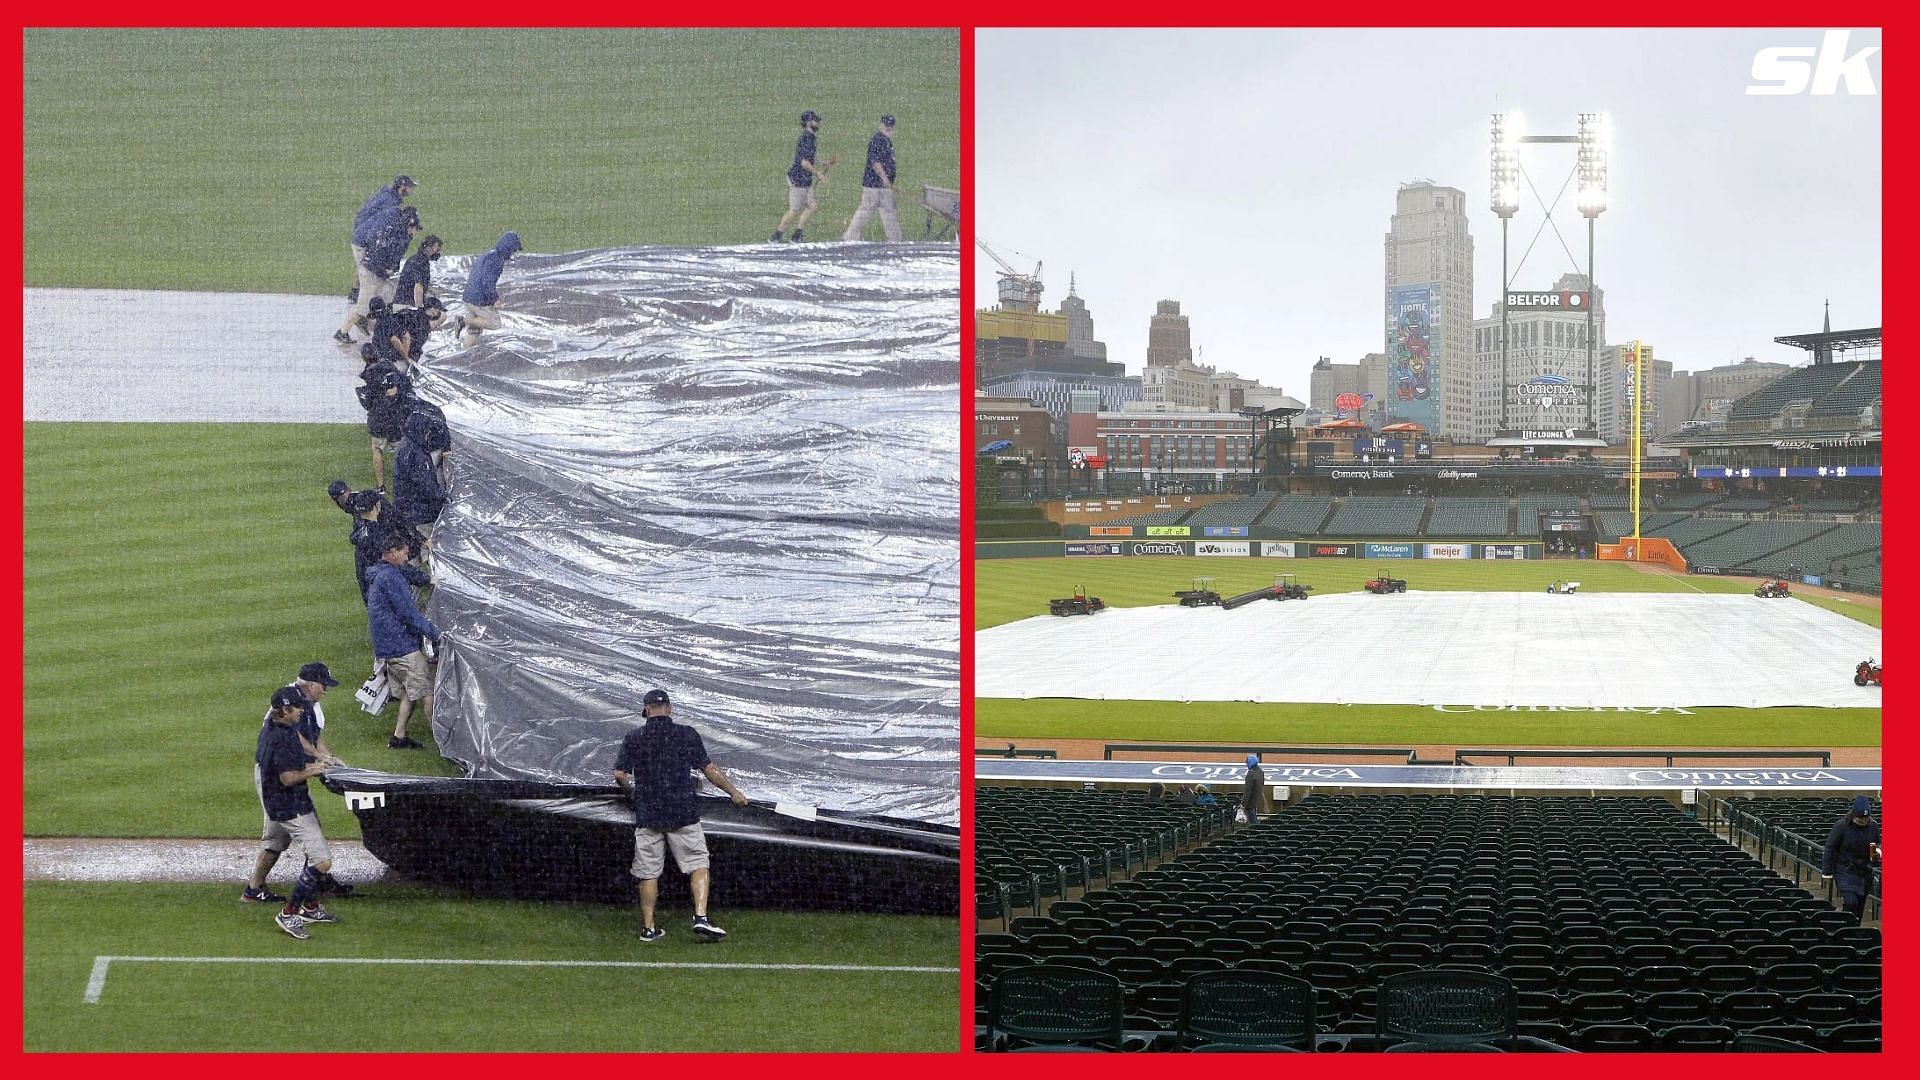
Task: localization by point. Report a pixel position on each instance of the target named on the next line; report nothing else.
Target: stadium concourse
(1676, 906)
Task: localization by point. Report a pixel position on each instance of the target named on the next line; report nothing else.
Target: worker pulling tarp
(727, 472)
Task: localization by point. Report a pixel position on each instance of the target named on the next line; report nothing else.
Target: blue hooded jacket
(484, 281)
(417, 493)
(393, 620)
(390, 239)
(377, 203)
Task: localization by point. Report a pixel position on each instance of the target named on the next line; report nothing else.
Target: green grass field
(234, 160)
(161, 612)
(239, 1007)
(1006, 590)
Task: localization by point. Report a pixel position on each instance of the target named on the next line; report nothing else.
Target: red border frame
(1899, 234)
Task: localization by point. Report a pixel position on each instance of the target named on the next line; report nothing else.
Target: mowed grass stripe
(1007, 590)
(215, 1007)
(1307, 723)
(174, 575)
(146, 148)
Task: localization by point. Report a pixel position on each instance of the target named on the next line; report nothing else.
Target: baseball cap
(656, 697)
(403, 180)
(809, 115)
(288, 695)
(337, 489)
(1862, 806)
(317, 672)
(886, 119)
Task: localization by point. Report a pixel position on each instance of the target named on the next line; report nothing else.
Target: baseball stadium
(1549, 747)
(667, 457)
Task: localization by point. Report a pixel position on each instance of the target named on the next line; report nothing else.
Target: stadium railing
(1405, 754)
(1461, 757)
(1015, 752)
(1773, 843)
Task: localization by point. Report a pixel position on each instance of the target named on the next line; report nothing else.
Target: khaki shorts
(689, 846)
(303, 830)
(387, 447)
(372, 285)
(801, 198)
(486, 318)
(409, 677)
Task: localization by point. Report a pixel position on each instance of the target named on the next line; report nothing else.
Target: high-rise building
(1061, 393)
(1546, 376)
(1182, 386)
(1705, 395)
(1169, 338)
(1616, 375)
(1080, 341)
(1429, 316)
(1329, 380)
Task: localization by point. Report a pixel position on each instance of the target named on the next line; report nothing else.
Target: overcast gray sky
(1251, 176)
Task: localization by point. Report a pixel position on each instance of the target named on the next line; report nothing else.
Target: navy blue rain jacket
(393, 620)
(483, 282)
(417, 493)
(377, 203)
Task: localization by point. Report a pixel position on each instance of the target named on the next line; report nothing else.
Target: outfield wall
(1257, 549)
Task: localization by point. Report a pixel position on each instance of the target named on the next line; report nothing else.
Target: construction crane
(1018, 291)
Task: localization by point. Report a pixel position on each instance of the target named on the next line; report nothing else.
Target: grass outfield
(235, 159)
(222, 1007)
(1306, 723)
(174, 575)
(1006, 590)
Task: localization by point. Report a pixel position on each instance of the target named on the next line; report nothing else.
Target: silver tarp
(728, 472)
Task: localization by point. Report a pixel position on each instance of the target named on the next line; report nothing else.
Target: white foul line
(97, 981)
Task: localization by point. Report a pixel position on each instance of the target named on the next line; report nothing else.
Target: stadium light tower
(1594, 143)
(1504, 187)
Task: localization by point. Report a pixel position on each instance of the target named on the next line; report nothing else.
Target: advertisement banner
(1110, 530)
(1390, 551)
(1812, 472)
(1413, 356)
(1326, 551)
(1095, 549)
(1277, 549)
(1503, 551)
(1223, 547)
(1378, 446)
(1449, 551)
(1223, 530)
(1163, 547)
(1169, 530)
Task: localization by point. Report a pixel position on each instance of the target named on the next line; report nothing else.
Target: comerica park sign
(1547, 301)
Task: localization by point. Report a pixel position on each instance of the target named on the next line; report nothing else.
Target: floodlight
(1595, 145)
(1505, 174)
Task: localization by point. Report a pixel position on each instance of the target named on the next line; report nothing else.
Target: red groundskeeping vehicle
(1384, 584)
(1866, 673)
(1773, 587)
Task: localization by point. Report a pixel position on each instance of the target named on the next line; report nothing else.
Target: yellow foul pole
(1636, 356)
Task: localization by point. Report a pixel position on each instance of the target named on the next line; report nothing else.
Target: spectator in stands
(1203, 797)
(1012, 751)
(1156, 792)
(1253, 795)
(1853, 847)
(1184, 796)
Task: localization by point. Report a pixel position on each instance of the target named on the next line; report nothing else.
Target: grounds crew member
(285, 766)
(313, 682)
(387, 396)
(417, 490)
(876, 185)
(374, 519)
(482, 294)
(399, 632)
(386, 239)
(416, 274)
(656, 766)
(378, 203)
(802, 175)
(1853, 847)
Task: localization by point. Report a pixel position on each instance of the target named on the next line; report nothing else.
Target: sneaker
(706, 931)
(341, 337)
(398, 743)
(261, 896)
(799, 235)
(652, 933)
(316, 913)
(292, 924)
(774, 239)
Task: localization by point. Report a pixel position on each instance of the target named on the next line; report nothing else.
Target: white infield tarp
(1591, 650)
